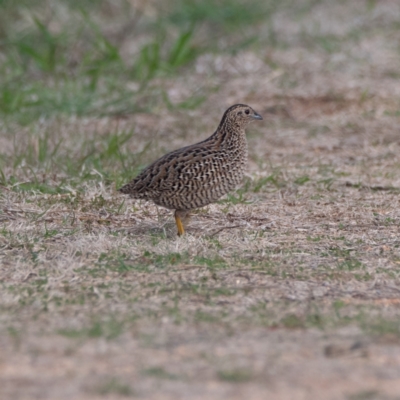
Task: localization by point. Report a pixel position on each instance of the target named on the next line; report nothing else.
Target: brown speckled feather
(197, 175)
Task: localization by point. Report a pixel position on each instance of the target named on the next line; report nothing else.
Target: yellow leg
(179, 224)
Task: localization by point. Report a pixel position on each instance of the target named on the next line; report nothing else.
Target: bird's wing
(193, 168)
(174, 171)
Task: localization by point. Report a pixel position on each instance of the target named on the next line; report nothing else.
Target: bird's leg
(185, 218)
(179, 216)
(179, 224)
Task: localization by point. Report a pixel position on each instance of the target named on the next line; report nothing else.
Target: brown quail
(197, 175)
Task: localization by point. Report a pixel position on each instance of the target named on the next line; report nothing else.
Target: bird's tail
(126, 189)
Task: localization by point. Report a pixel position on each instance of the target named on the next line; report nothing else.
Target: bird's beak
(257, 116)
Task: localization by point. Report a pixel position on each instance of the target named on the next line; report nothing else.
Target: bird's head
(240, 115)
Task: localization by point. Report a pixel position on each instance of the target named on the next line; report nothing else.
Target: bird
(197, 175)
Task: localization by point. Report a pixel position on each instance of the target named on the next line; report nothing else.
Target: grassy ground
(287, 288)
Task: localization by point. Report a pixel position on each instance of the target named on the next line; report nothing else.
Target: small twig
(20, 183)
(238, 288)
(93, 219)
(225, 227)
(376, 188)
(188, 267)
(373, 225)
(12, 210)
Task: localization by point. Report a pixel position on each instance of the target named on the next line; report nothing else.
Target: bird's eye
(247, 112)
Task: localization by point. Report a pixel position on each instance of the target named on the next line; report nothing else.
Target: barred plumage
(197, 175)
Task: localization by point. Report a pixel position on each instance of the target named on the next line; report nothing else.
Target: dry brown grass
(287, 290)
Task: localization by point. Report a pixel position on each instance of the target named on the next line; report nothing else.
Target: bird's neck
(230, 137)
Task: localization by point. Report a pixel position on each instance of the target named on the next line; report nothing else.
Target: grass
(158, 373)
(365, 395)
(235, 376)
(109, 329)
(69, 72)
(98, 295)
(114, 386)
